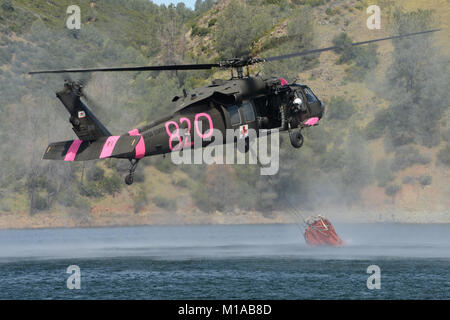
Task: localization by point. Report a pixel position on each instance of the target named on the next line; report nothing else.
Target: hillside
(377, 156)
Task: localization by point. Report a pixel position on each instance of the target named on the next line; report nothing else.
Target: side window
(310, 96)
(247, 110)
(235, 117)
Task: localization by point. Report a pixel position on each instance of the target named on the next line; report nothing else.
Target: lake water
(225, 262)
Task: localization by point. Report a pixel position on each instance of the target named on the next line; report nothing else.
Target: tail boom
(105, 147)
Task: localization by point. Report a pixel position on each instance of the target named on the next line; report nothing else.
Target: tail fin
(104, 147)
(85, 125)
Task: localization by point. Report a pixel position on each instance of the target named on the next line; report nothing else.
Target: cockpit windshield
(310, 96)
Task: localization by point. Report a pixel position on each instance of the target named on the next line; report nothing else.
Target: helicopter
(241, 103)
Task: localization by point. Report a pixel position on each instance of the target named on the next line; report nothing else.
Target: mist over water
(362, 241)
(225, 262)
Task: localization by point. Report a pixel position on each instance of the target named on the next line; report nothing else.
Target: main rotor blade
(303, 53)
(225, 63)
(143, 68)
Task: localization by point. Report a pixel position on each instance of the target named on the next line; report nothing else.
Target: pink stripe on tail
(140, 147)
(108, 147)
(133, 132)
(73, 149)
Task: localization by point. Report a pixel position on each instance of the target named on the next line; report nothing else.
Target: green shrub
(407, 156)
(362, 59)
(181, 183)
(392, 190)
(408, 180)
(81, 203)
(312, 3)
(235, 32)
(340, 109)
(164, 203)
(443, 156)
(332, 12)
(164, 165)
(68, 197)
(5, 56)
(446, 135)
(91, 189)
(140, 200)
(95, 174)
(7, 5)
(36, 181)
(376, 128)
(212, 22)
(199, 31)
(112, 184)
(409, 87)
(38, 203)
(201, 198)
(343, 42)
(425, 180)
(139, 176)
(203, 6)
(383, 174)
(374, 131)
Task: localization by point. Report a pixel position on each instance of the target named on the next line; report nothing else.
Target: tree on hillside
(361, 58)
(300, 37)
(170, 37)
(238, 27)
(203, 5)
(416, 84)
(217, 190)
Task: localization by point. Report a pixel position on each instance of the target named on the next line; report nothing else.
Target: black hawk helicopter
(239, 103)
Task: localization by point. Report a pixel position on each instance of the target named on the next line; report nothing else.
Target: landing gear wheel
(296, 137)
(129, 179)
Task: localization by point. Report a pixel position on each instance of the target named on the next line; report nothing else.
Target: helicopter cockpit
(298, 104)
(310, 105)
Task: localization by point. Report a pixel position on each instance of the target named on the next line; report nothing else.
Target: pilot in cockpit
(297, 104)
